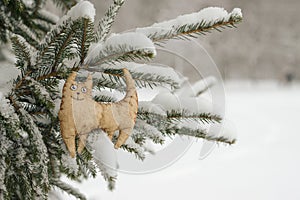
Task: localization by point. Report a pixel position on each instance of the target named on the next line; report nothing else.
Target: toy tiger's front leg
(123, 135)
(70, 144)
(68, 132)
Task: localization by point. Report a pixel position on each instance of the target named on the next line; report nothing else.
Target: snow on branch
(190, 105)
(121, 47)
(143, 74)
(197, 88)
(59, 43)
(132, 147)
(149, 131)
(148, 107)
(192, 24)
(68, 188)
(83, 9)
(204, 134)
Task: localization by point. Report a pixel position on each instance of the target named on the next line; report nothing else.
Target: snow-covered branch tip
(121, 47)
(191, 25)
(202, 117)
(106, 22)
(68, 188)
(204, 134)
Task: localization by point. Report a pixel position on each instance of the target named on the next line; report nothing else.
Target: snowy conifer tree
(33, 155)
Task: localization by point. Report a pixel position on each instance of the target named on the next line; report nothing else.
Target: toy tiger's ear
(72, 76)
(89, 81)
(71, 79)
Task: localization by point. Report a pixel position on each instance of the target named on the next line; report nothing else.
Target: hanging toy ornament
(79, 114)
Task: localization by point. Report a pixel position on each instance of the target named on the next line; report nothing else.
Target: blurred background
(265, 45)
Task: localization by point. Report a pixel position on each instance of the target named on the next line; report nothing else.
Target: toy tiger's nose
(78, 93)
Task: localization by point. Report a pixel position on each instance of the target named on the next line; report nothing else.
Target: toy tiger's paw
(124, 134)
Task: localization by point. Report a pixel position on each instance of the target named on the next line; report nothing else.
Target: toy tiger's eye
(73, 87)
(84, 90)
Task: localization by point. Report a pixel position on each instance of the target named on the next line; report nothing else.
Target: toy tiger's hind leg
(123, 135)
(110, 134)
(81, 143)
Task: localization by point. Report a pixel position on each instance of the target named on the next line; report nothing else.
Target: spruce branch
(132, 147)
(123, 52)
(86, 37)
(105, 81)
(111, 180)
(86, 164)
(170, 126)
(68, 188)
(198, 133)
(135, 149)
(106, 22)
(142, 80)
(22, 53)
(202, 117)
(146, 130)
(11, 25)
(59, 45)
(194, 30)
(103, 98)
(175, 29)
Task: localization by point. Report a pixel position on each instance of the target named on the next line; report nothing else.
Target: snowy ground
(263, 165)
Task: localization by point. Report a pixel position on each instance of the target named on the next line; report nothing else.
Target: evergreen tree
(33, 155)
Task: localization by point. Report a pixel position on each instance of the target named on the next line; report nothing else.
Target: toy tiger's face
(81, 91)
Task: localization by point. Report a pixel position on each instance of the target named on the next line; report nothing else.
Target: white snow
(198, 87)
(6, 110)
(148, 106)
(237, 12)
(170, 101)
(28, 3)
(135, 41)
(69, 162)
(208, 15)
(148, 130)
(82, 9)
(225, 129)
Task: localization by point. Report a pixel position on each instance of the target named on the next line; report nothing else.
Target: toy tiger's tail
(131, 94)
(130, 106)
(130, 85)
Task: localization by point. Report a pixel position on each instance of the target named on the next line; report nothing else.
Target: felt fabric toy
(79, 114)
